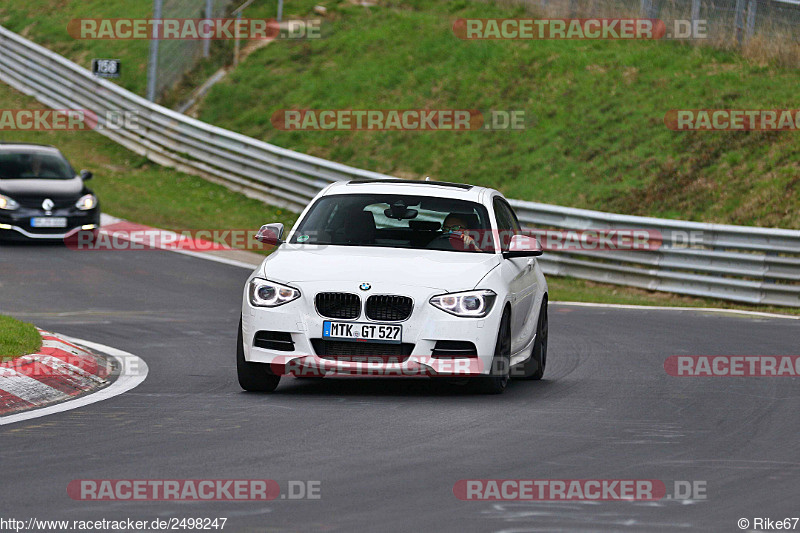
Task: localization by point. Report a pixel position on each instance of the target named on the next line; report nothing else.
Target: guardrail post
(236, 45)
(751, 18)
(648, 9)
(207, 40)
(152, 67)
(739, 23)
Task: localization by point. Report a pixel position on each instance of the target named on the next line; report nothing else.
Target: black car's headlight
(265, 293)
(87, 201)
(8, 204)
(475, 304)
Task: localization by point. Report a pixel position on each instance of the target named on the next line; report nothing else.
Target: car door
(521, 276)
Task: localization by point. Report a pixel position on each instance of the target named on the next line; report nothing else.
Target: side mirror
(270, 234)
(86, 175)
(523, 246)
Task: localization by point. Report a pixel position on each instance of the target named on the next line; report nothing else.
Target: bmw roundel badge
(365, 286)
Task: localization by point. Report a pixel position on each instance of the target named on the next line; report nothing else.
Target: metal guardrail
(739, 263)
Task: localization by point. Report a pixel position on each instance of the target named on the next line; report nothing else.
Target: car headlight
(264, 293)
(474, 304)
(88, 201)
(9, 204)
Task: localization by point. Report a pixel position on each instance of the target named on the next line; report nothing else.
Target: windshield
(34, 166)
(396, 221)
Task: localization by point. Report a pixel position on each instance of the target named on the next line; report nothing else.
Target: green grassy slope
(17, 338)
(598, 138)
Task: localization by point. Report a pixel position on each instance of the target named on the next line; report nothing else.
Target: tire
(534, 367)
(253, 377)
(497, 381)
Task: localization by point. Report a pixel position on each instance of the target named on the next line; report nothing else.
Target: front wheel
(535, 365)
(254, 377)
(497, 380)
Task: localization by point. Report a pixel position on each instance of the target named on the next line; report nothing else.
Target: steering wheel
(453, 241)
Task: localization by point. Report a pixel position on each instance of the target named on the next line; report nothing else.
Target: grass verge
(17, 338)
(595, 137)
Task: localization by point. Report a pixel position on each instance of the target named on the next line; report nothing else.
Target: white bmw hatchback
(397, 278)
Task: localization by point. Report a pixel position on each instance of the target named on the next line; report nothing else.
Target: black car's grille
(338, 305)
(388, 308)
(342, 349)
(36, 201)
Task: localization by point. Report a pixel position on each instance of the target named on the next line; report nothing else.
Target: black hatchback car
(41, 196)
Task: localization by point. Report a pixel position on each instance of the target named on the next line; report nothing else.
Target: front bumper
(422, 329)
(16, 225)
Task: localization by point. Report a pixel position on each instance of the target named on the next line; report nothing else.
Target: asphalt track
(388, 452)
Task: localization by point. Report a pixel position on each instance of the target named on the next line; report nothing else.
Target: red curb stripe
(49, 337)
(87, 363)
(62, 370)
(63, 383)
(9, 402)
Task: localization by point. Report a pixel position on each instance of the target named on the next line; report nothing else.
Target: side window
(506, 222)
(514, 219)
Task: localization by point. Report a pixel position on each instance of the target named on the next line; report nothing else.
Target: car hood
(42, 187)
(436, 269)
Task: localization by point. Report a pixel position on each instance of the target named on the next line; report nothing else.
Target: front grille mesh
(36, 201)
(388, 308)
(338, 305)
(332, 349)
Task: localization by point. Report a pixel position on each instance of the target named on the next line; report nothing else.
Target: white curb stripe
(134, 372)
(27, 388)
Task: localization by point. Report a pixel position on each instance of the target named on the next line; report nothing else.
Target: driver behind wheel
(456, 228)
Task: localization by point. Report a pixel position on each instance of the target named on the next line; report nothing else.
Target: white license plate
(49, 222)
(359, 331)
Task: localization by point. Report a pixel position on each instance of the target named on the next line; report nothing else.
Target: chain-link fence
(170, 59)
(770, 24)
